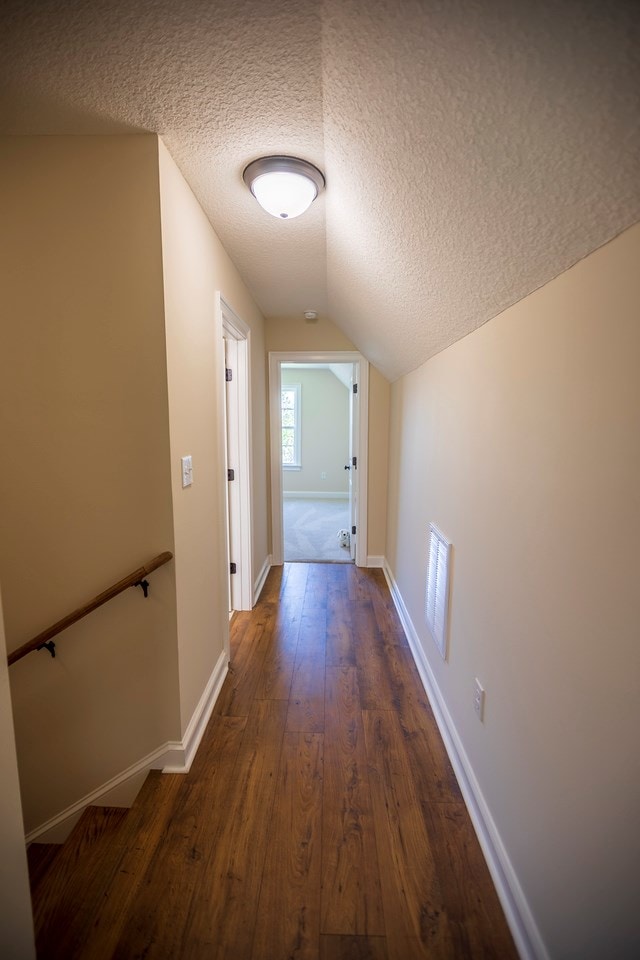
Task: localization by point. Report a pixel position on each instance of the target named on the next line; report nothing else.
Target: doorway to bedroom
(316, 464)
(318, 405)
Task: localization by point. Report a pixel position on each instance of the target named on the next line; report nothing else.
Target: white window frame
(297, 431)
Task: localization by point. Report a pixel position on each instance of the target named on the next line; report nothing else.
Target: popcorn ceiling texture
(473, 149)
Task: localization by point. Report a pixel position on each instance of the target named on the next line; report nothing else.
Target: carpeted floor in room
(311, 530)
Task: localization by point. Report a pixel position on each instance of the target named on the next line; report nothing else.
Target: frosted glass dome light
(284, 195)
(283, 186)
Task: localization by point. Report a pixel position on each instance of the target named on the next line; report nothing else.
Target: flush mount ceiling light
(283, 186)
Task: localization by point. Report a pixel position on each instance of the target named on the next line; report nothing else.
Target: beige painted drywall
(285, 334)
(87, 496)
(196, 267)
(16, 924)
(522, 442)
(324, 402)
(324, 335)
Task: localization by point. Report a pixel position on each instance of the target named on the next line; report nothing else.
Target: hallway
(321, 817)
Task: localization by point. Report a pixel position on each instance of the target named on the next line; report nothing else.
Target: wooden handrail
(135, 579)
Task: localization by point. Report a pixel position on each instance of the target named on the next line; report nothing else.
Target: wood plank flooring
(321, 819)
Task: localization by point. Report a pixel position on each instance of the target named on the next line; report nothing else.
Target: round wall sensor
(311, 315)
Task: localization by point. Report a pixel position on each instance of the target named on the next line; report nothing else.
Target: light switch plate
(187, 471)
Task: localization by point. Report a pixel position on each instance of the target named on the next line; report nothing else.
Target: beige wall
(97, 408)
(324, 433)
(293, 335)
(522, 442)
(84, 420)
(196, 267)
(16, 925)
(282, 335)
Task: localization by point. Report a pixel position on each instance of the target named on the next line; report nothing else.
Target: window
(290, 406)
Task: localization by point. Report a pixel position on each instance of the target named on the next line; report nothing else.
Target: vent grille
(437, 598)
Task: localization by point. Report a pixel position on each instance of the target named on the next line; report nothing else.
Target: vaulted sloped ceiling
(473, 149)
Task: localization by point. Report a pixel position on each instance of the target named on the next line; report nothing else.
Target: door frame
(232, 327)
(276, 359)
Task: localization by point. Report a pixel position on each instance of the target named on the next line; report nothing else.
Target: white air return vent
(437, 600)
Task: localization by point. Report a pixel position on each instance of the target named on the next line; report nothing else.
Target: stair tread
(72, 867)
(95, 898)
(147, 831)
(41, 857)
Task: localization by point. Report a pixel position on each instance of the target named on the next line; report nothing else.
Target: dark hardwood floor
(321, 817)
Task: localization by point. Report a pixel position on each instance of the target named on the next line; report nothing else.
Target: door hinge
(233, 568)
(355, 388)
(228, 374)
(354, 462)
(231, 474)
(353, 531)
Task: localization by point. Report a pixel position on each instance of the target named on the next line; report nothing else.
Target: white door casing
(231, 464)
(236, 454)
(360, 444)
(354, 462)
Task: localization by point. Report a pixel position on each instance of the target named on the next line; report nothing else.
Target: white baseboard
(526, 935)
(375, 562)
(175, 756)
(260, 579)
(314, 495)
(58, 828)
(179, 754)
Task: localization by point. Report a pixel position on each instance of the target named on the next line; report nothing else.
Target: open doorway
(316, 461)
(318, 406)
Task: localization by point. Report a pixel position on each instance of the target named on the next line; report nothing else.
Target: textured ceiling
(473, 149)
